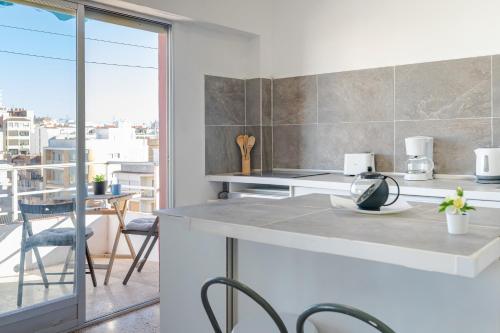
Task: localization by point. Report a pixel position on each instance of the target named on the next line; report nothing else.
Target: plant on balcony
(100, 185)
(457, 215)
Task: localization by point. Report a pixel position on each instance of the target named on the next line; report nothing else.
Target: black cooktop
(287, 174)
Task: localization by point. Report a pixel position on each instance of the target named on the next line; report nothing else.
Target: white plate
(398, 207)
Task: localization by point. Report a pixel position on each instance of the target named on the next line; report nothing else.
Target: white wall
(297, 37)
(200, 50)
(334, 35)
(253, 17)
(217, 37)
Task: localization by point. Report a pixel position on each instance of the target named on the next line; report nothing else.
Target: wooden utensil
(240, 140)
(250, 144)
(245, 145)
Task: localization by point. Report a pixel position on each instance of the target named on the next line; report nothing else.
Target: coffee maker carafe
(420, 165)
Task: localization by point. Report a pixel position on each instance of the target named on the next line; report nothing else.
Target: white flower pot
(458, 224)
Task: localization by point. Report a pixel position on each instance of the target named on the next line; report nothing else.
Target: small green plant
(98, 178)
(457, 202)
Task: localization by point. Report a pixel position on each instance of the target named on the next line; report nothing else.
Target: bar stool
(245, 290)
(144, 226)
(347, 310)
(256, 324)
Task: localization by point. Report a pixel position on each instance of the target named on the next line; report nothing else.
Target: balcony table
(119, 207)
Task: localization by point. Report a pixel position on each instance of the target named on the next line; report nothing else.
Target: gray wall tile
(496, 85)
(256, 153)
(267, 148)
(335, 140)
(266, 102)
(295, 100)
(294, 146)
(253, 102)
(222, 154)
(356, 113)
(496, 132)
(224, 101)
(361, 95)
(444, 90)
(454, 142)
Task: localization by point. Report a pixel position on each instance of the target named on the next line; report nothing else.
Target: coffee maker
(420, 165)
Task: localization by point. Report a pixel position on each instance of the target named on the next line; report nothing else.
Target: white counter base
(440, 187)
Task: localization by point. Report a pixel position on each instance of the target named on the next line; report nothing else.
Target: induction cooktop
(287, 174)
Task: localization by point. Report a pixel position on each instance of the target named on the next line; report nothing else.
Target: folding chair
(49, 237)
(144, 227)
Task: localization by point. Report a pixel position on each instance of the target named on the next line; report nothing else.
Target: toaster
(355, 164)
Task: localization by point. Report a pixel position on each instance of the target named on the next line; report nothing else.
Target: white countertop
(440, 187)
(417, 238)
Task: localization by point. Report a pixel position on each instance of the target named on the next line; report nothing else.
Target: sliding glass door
(83, 93)
(124, 63)
(39, 107)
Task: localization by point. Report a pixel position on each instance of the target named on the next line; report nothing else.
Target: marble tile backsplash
(310, 122)
(234, 107)
(444, 90)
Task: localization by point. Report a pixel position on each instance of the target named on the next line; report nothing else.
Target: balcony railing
(21, 188)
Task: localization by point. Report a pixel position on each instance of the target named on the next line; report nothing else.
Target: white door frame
(45, 317)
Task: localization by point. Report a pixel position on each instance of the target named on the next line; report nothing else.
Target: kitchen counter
(439, 187)
(416, 239)
(299, 251)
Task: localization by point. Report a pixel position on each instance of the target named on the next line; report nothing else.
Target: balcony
(33, 184)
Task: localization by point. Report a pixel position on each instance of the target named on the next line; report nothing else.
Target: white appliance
(420, 164)
(488, 165)
(355, 164)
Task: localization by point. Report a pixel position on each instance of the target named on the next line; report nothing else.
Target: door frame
(30, 318)
(37, 317)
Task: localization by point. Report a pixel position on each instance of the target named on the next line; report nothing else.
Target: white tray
(397, 207)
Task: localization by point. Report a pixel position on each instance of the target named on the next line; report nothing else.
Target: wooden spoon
(250, 144)
(240, 140)
(245, 145)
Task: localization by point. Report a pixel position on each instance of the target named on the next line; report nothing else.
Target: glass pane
(122, 85)
(37, 152)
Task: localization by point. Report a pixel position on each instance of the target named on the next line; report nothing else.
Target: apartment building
(17, 126)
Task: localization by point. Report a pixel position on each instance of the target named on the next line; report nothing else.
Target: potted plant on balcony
(100, 185)
(457, 213)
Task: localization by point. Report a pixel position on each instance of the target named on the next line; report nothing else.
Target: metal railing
(10, 178)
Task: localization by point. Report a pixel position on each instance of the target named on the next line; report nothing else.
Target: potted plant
(100, 185)
(457, 212)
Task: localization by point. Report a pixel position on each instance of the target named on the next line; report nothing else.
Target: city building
(60, 150)
(139, 177)
(105, 146)
(43, 132)
(114, 144)
(17, 125)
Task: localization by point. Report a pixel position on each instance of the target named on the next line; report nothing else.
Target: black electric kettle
(370, 190)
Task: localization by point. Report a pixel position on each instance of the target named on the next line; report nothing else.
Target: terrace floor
(101, 300)
(146, 320)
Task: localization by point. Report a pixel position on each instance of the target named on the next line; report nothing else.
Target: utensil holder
(245, 166)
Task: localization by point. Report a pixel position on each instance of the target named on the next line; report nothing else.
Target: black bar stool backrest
(347, 310)
(245, 290)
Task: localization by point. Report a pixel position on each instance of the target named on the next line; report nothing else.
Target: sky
(47, 86)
